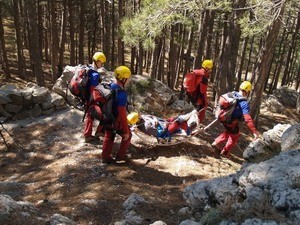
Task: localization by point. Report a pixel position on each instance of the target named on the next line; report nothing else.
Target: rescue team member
(94, 78)
(120, 127)
(232, 132)
(199, 97)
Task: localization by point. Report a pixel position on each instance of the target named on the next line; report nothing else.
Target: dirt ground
(59, 173)
(48, 164)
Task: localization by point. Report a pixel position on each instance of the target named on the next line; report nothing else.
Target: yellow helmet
(99, 56)
(207, 64)
(132, 118)
(122, 72)
(246, 86)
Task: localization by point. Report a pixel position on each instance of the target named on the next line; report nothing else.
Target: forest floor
(60, 173)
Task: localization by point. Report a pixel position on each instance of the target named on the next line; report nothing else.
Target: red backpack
(105, 108)
(192, 80)
(77, 84)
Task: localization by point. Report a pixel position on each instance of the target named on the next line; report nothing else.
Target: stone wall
(31, 101)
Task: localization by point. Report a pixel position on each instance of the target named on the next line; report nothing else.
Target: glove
(256, 135)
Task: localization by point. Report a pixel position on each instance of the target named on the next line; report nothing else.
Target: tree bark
(2, 44)
(62, 36)
(81, 31)
(54, 42)
(171, 74)
(34, 42)
(19, 41)
(72, 33)
(120, 41)
(263, 63)
(242, 61)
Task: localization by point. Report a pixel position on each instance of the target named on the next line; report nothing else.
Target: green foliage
(150, 22)
(259, 15)
(212, 216)
(155, 16)
(141, 87)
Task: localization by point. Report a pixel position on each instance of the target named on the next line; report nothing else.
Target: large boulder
(290, 139)
(266, 147)
(268, 192)
(154, 97)
(19, 212)
(146, 95)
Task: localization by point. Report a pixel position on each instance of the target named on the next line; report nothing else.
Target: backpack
(78, 82)
(105, 99)
(191, 81)
(226, 105)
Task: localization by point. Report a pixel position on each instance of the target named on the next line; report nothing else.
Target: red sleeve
(92, 88)
(203, 89)
(250, 123)
(123, 119)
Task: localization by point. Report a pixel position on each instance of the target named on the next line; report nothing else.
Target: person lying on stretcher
(160, 128)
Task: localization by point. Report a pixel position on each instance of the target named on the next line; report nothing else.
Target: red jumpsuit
(120, 127)
(232, 132)
(94, 78)
(199, 97)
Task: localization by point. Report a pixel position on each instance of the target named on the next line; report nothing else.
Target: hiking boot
(108, 160)
(126, 158)
(216, 146)
(224, 154)
(99, 134)
(90, 139)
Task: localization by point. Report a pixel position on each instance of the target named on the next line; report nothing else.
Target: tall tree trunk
(2, 44)
(81, 31)
(289, 57)
(34, 42)
(24, 23)
(263, 62)
(72, 33)
(249, 58)
(106, 35)
(62, 36)
(140, 59)
(187, 64)
(47, 36)
(180, 55)
(154, 58)
(224, 66)
(19, 41)
(242, 61)
(210, 36)
(41, 12)
(113, 32)
(132, 60)
(171, 73)
(161, 61)
(54, 42)
(120, 40)
(4, 53)
(201, 38)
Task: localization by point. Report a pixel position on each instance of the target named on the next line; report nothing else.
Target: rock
(158, 223)
(4, 98)
(290, 139)
(189, 222)
(133, 201)
(257, 189)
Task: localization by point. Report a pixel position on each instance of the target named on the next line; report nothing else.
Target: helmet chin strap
(123, 81)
